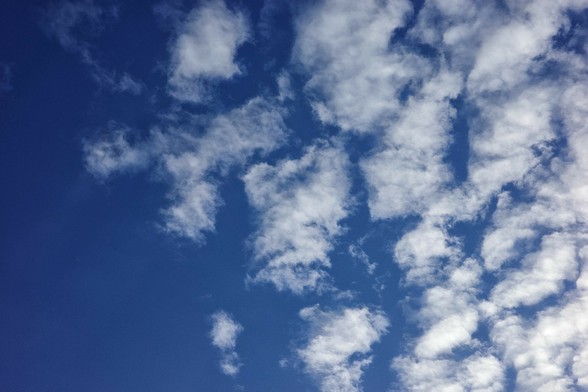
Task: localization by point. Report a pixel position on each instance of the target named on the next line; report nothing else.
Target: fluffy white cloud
(355, 79)
(300, 204)
(510, 138)
(205, 49)
(224, 333)
(449, 316)
(506, 56)
(339, 344)
(478, 373)
(410, 170)
(542, 273)
(421, 251)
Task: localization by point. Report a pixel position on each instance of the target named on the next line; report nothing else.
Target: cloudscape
(274, 195)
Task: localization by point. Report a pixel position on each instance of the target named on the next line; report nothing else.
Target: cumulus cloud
(339, 343)
(300, 204)
(205, 49)
(73, 24)
(224, 334)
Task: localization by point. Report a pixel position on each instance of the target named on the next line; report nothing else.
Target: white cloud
(505, 146)
(409, 171)
(205, 49)
(301, 203)
(549, 353)
(478, 373)
(449, 313)
(542, 273)
(421, 251)
(449, 316)
(505, 56)
(224, 333)
(355, 79)
(339, 344)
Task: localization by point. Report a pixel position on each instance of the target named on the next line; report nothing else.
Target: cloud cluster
(193, 164)
(339, 343)
(524, 168)
(224, 335)
(497, 257)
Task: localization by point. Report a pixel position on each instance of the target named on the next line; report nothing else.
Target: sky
(273, 195)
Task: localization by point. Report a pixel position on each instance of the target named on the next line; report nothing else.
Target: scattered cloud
(193, 158)
(205, 49)
(300, 204)
(339, 343)
(496, 261)
(224, 334)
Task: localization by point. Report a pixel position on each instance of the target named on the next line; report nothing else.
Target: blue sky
(269, 195)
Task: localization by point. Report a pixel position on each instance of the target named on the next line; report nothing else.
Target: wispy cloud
(73, 24)
(339, 344)
(224, 334)
(5, 77)
(205, 49)
(300, 204)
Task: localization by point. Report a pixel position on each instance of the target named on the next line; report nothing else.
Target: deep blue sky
(293, 196)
